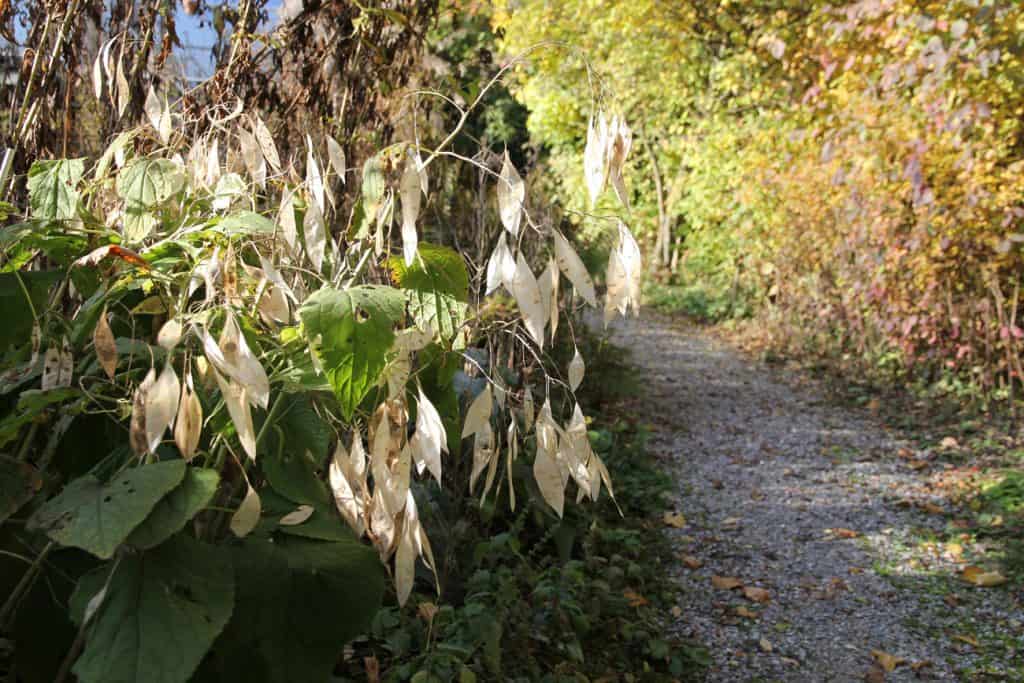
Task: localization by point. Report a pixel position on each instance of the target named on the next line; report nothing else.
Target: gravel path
(811, 502)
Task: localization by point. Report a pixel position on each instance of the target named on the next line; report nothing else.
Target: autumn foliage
(847, 172)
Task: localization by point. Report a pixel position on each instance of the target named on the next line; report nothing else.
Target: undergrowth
(528, 597)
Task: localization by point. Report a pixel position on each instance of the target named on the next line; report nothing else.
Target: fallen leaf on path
(980, 577)
(842, 532)
(765, 645)
(952, 599)
(675, 519)
(692, 562)
(725, 582)
(677, 611)
(742, 611)
(917, 666)
(875, 674)
(756, 594)
(731, 522)
(887, 661)
(970, 640)
(932, 509)
(949, 443)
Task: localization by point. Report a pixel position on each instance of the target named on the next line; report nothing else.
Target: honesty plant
(271, 364)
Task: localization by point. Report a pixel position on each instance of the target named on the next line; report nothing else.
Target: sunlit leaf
(511, 195)
(237, 402)
(266, 142)
(169, 334)
(501, 267)
(576, 370)
(336, 156)
(527, 294)
(479, 414)
(247, 516)
(161, 405)
(189, 423)
(314, 232)
(314, 179)
(53, 188)
(352, 331)
(430, 438)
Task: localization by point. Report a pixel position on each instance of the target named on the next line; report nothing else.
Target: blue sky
(198, 37)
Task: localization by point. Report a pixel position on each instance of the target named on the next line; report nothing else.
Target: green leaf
(147, 182)
(305, 430)
(177, 508)
(144, 184)
(438, 268)
(161, 612)
(21, 242)
(35, 401)
(437, 285)
(52, 188)
(246, 223)
(293, 474)
(18, 483)
(299, 602)
(352, 331)
(14, 306)
(98, 517)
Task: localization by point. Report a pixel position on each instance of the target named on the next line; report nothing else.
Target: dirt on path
(807, 549)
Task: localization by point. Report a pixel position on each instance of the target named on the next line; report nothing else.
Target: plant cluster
(534, 597)
(220, 374)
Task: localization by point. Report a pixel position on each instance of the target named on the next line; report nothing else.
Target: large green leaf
(352, 331)
(438, 269)
(293, 474)
(161, 612)
(296, 452)
(177, 508)
(304, 429)
(299, 602)
(98, 517)
(147, 182)
(144, 184)
(53, 188)
(437, 285)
